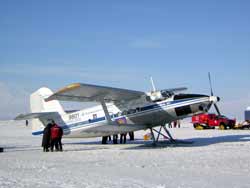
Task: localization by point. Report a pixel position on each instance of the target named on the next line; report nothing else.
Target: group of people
(52, 137)
(123, 138)
(175, 124)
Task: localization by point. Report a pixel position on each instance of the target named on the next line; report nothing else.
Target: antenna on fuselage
(153, 85)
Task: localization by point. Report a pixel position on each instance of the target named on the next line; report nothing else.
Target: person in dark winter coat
(46, 138)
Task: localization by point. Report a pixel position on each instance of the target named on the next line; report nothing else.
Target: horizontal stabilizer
(37, 115)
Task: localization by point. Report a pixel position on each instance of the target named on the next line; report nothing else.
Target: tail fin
(38, 104)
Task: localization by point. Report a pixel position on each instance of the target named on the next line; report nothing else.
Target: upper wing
(86, 93)
(175, 90)
(92, 93)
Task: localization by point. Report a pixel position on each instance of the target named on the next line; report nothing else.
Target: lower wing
(110, 128)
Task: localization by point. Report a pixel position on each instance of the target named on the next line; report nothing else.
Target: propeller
(210, 83)
(212, 94)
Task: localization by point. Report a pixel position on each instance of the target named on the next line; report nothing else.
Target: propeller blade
(211, 89)
(212, 94)
(217, 109)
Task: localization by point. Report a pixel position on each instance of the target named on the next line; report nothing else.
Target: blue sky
(122, 43)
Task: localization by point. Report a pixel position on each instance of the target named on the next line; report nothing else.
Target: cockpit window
(166, 94)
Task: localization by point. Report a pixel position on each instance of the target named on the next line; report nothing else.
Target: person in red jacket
(60, 139)
(56, 136)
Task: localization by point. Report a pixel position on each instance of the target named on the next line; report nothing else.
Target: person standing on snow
(131, 135)
(123, 138)
(104, 139)
(56, 136)
(60, 139)
(46, 137)
(179, 123)
(115, 139)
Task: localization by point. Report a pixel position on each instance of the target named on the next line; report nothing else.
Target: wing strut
(105, 109)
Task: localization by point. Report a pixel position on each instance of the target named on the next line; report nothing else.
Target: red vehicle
(208, 121)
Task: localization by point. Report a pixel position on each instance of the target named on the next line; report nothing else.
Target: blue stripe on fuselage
(37, 133)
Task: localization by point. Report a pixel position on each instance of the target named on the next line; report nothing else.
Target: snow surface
(215, 159)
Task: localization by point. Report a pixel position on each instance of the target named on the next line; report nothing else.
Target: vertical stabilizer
(38, 104)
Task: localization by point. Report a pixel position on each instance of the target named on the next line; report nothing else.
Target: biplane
(118, 110)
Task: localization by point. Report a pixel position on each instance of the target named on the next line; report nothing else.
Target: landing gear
(159, 132)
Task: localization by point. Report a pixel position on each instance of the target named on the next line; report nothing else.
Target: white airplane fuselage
(91, 122)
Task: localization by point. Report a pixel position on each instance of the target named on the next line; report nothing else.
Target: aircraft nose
(214, 99)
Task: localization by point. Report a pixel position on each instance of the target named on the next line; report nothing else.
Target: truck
(210, 121)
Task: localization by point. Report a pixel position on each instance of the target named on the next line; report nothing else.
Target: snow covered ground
(215, 159)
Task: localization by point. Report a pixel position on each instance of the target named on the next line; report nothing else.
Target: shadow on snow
(142, 144)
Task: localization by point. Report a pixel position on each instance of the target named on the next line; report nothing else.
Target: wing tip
(69, 87)
(65, 89)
